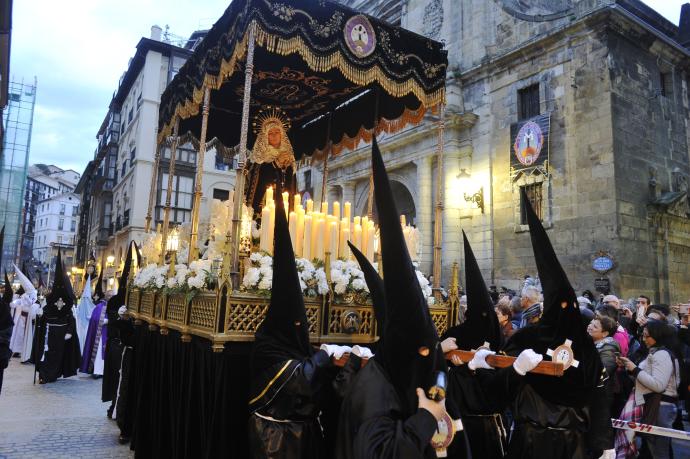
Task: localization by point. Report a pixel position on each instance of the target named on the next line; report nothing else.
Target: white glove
(122, 311)
(67, 336)
(105, 320)
(333, 350)
(362, 352)
(39, 312)
(608, 454)
(479, 360)
(526, 361)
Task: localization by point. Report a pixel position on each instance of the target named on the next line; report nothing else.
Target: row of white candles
(314, 233)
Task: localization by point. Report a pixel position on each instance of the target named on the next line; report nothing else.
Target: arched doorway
(402, 197)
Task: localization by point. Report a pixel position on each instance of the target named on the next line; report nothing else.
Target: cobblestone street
(65, 419)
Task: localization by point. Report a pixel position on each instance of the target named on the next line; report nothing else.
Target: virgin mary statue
(272, 160)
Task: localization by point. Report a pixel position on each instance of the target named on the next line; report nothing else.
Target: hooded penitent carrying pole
(6, 322)
(57, 354)
(479, 395)
(379, 417)
(284, 365)
(83, 312)
(552, 414)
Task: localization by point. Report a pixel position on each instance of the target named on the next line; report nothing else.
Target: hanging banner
(529, 145)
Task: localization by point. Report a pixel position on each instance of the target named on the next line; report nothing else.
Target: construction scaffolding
(18, 122)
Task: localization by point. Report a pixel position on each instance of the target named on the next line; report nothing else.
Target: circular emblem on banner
(528, 143)
(602, 264)
(360, 37)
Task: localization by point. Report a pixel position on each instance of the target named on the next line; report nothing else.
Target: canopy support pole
(329, 148)
(438, 217)
(370, 204)
(196, 205)
(172, 140)
(241, 160)
(154, 180)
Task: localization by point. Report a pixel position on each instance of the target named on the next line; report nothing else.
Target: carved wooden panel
(203, 312)
(147, 301)
(133, 300)
(176, 309)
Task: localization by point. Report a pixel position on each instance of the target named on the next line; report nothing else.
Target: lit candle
(370, 242)
(300, 231)
(334, 239)
(347, 210)
(336, 210)
(265, 217)
(403, 221)
(297, 202)
(357, 236)
(324, 207)
(344, 248)
(292, 226)
(357, 220)
(342, 245)
(271, 227)
(306, 248)
(365, 234)
(317, 239)
(269, 194)
(310, 206)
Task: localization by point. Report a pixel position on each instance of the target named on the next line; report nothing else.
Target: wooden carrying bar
(496, 361)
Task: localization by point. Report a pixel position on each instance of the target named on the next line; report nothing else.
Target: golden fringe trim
(284, 47)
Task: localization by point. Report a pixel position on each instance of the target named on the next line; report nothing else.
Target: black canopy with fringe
(309, 63)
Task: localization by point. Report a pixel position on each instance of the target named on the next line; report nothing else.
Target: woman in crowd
(621, 335)
(602, 329)
(505, 314)
(653, 400)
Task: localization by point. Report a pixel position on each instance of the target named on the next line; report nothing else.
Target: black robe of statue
(481, 397)
(62, 357)
(371, 425)
(263, 175)
(284, 420)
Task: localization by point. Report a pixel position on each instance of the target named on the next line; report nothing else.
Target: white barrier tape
(649, 429)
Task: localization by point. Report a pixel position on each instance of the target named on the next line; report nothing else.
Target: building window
(223, 195)
(130, 116)
(528, 102)
(666, 84)
(307, 180)
(62, 209)
(59, 239)
(132, 155)
(61, 224)
(73, 226)
(75, 211)
(124, 168)
(534, 195)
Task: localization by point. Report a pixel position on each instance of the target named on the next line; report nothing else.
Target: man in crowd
(531, 306)
(25, 310)
(96, 333)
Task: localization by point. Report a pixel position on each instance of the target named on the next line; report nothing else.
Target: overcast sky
(78, 50)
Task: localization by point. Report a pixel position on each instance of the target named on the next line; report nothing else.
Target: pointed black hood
(61, 292)
(284, 333)
(409, 327)
(5, 313)
(118, 300)
(376, 290)
(481, 323)
(560, 320)
(98, 294)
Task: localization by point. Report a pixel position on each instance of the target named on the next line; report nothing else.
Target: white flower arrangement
(198, 276)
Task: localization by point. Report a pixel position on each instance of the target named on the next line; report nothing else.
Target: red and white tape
(650, 429)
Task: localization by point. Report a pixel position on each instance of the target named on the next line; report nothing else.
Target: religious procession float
(272, 86)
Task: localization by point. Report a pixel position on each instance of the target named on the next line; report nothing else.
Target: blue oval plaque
(602, 264)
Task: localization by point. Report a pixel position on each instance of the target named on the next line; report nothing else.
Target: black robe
(125, 399)
(63, 357)
(371, 424)
(481, 397)
(112, 358)
(284, 421)
(263, 175)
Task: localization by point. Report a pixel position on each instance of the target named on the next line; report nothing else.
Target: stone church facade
(612, 78)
